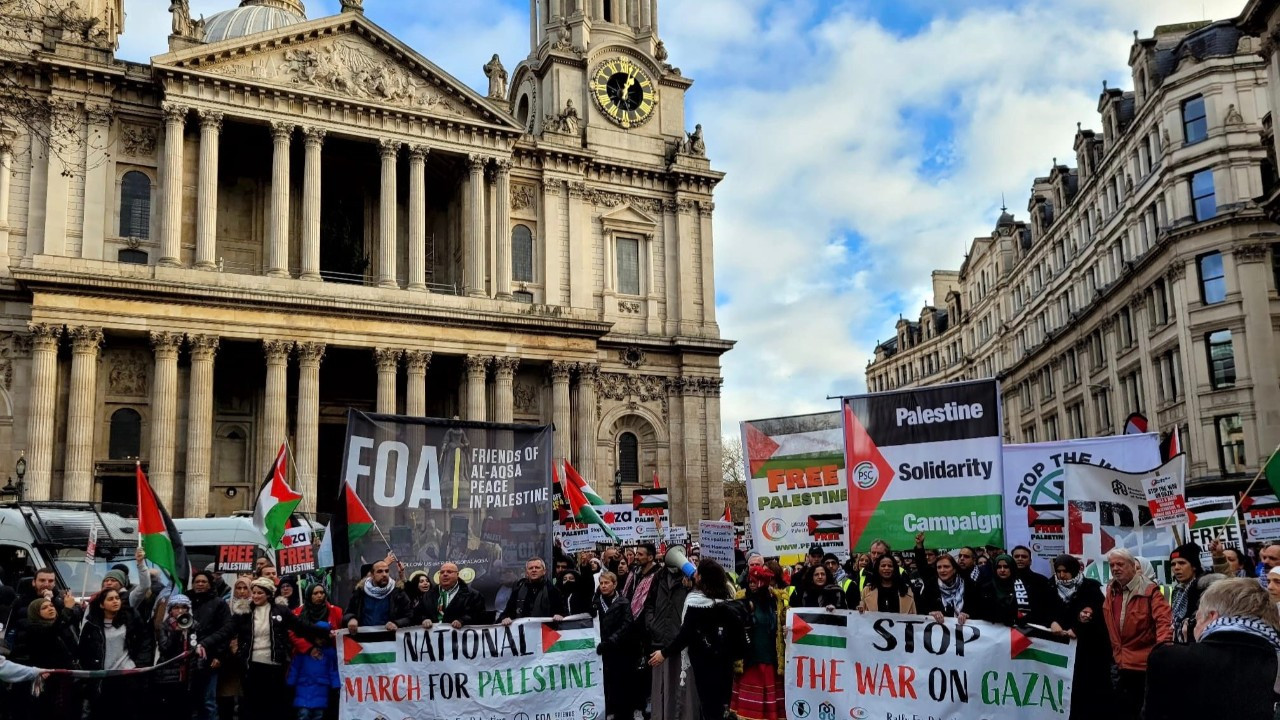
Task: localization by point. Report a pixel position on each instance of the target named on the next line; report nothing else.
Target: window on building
(1046, 382)
(1029, 433)
(629, 458)
(521, 254)
(1222, 359)
(1075, 420)
(1051, 428)
(1213, 279)
(1230, 444)
(1203, 201)
(1169, 367)
(523, 296)
(1102, 410)
(135, 205)
(629, 266)
(1070, 368)
(131, 256)
(1275, 266)
(1195, 127)
(1131, 386)
(1098, 350)
(1159, 304)
(125, 441)
(1124, 321)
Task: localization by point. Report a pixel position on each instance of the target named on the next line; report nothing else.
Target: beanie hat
(829, 557)
(1189, 552)
(179, 599)
(117, 575)
(265, 584)
(817, 550)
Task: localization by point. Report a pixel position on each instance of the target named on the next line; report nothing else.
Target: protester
(377, 602)
(948, 593)
(1232, 665)
(818, 591)
(533, 596)
(754, 559)
(879, 549)
(1138, 617)
(757, 692)
(662, 600)
(317, 609)
(418, 589)
(1239, 564)
(889, 591)
(1273, 584)
(44, 585)
(967, 560)
(453, 602)
(572, 590)
(115, 637)
(287, 590)
(213, 631)
(835, 572)
(1269, 558)
(262, 639)
(1016, 597)
(48, 642)
(172, 678)
(1080, 617)
(617, 647)
(703, 643)
(313, 675)
(1184, 564)
(228, 664)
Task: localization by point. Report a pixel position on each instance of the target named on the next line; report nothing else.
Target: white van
(203, 536)
(34, 535)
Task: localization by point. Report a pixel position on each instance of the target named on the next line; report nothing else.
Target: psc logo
(775, 529)
(588, 711)
(866, 475)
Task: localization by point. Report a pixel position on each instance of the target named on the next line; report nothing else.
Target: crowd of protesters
(707, 647)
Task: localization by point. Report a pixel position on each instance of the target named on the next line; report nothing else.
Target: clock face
(624, 92)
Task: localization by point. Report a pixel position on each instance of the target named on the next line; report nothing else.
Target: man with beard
(967, 559)
(377, 602)
(452, 601)
(534, 596)
(213, 631)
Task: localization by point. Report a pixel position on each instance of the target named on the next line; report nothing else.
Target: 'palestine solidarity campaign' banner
(477, 671)
(844, 664)
(925, 461)
(477, 494)
(796, 485)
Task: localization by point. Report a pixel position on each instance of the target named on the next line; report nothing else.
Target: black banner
(958, 411)
(476, 494)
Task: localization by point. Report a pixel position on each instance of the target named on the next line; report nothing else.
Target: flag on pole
(656, 485)
(1135, 424)
(576, 481)
(359, 521)
(1175, 444)
(158, 536)
(583, 511)
(728, 515)
(1272, 471)
(276, 502)
(650, 499)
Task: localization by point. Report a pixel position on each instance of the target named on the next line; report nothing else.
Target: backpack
(737, 623)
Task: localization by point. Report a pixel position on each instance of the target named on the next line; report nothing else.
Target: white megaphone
(675, 559)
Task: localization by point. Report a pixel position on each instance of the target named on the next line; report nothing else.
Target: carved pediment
(341, 58)
(628, 219)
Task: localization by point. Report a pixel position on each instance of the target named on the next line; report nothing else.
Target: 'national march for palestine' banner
(843, 664)
(477, 494)
(477, 671)
(796, 485)
(1034, 504)
(925, 461)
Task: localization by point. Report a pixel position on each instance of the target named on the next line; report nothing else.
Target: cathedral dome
(253, 16)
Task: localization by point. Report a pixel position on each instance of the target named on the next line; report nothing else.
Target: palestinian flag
(585, 512)
(276, 502)
(826, 525)
(568, 635)
(819, 629)
(158, 536)
(1046, 650)
(728, 515)
(359, 521)
(1272, 471)
(575, 480)
(369, 648)
(792, 443)
(650, 500)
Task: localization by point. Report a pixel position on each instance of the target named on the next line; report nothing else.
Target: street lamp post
(11, 492)
(617, 487)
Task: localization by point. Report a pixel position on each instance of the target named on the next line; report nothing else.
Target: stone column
(278, 230)
(653, 15)
(476, 365)
(502, 235)
(504, 374)
(696, 504)
(388, 362)
(646, 14)
(274, 423)
(6, 179)
(207, 195)
(311, 186)
(175, 118)
(534, 24)
(560, 407)
(415, 401)
(584, 454)
(675, 431)
(308, 421)
(715, 488)
(164, 413)
(389, 149)
(200, 425)
(82, 399)
(1259, 348)
(418, 217)
(44, 395)
(473, 227)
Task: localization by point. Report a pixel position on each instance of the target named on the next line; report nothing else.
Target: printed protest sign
(235, 558)
(1034, 509)
(1262, 519)
(652, 514)
(297, 555)
(925, 460)
(1106, 509)
(716, 542)
(1210, 518)
(1166, 495)
(796, 491)
(476, 671)
(848, 665)
(476, 494)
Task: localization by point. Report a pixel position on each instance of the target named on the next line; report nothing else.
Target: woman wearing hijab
(315, 610)
(48, 642)
(1080, 617)
(698, 647)
(617, 646)
(230, 668)
(1015, 600)
(889, 591)
(757, 692)
(819, 591)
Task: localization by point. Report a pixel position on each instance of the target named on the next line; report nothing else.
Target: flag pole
(1261, 471)
(293, 463)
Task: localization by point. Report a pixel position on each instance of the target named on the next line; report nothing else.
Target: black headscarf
(312, 612)
(295, 598)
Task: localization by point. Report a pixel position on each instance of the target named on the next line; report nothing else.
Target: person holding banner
(1138, 618)
(533, 595)
(1080, 617)
(617, 649)
(889, 590)
(377, 602)
(817, 590)
(948, 593)
(115, 637)
(1016, 598)
(453, 602)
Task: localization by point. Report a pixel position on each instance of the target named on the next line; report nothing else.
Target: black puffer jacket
(213, 622)
(139, 639)
(617, 638)
(282, 622)
(812, 597)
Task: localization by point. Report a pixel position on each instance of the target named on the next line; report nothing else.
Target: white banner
(846, 665)
(477, 671)
(1108, 509)
(1262, 519)
(715, 539)
(1166, 494)
(1209, 518)
(1034, 510)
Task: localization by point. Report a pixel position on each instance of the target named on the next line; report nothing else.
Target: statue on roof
(183, 25)
(352, 5)
(497, 78)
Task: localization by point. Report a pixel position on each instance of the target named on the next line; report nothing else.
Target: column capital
(85, 339)
(310, 353)
(560, 370)
(417, 360)
(99, 114)
(1176, 270)
(277, 350)
(174, 112)
(502, 166)
(476, 364)
(44, 335)
(203, 347)
(1252, 252)
(387, 359)
(419, 152)
(314, 135)
(476, 163)
(282, 130)
(211, 120)
(388, 148)
(165, 343)
(588, 372)
(505, 365)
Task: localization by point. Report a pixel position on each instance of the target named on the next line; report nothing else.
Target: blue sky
(866, 143)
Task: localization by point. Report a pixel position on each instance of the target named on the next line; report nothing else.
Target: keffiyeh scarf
(1247, 625)
(1067, 588)
(1181, 599)
(952, 596)
(376, 592)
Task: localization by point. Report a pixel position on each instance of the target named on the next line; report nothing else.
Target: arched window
(629, 457)
(521, 254)
(126, 435)
(522, 112)
(135, 205)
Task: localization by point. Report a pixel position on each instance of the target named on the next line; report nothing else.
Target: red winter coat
(1148, 621)
(302, 646)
